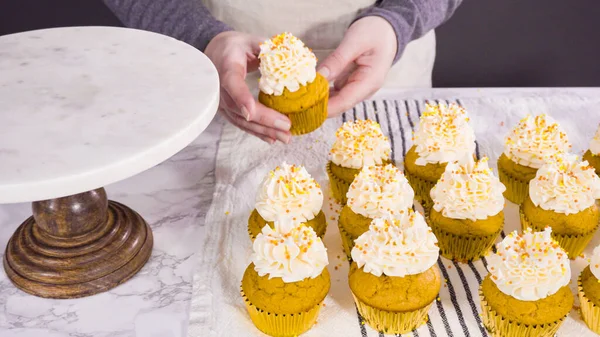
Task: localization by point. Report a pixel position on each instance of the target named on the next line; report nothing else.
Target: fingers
(361, 84)
(339, 59)
(265, 133)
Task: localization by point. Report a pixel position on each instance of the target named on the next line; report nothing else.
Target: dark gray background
(488, 43)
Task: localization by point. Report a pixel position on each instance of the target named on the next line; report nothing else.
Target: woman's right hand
(235, 54)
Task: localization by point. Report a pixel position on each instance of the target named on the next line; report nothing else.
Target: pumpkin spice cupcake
(285, 265)
(526, 148)
(563, 196)
(290, 84)
(588, 291)
(442, 136)
(376, 192)
(526, 292)
(357, 144)
(394, 278)
(288, 192)
(467, 214)
(592, 156)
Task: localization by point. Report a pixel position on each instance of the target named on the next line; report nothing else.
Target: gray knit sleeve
(411, 19)
(185, 20)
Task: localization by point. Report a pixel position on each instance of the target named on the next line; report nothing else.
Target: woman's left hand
(360, 63)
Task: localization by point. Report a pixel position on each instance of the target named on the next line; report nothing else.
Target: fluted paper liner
(422, 189)
(310, 119)
(589, 311)
(392, 322)
(318, 230)
(499, 326)
(347, 241)
(572, 244)
(516, 189)
(339, 187)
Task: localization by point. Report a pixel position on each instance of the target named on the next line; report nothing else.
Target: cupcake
(376, 192)
(563, 196)
(284, 286)
(443, 136)
(290, 84)
(592, 155)
(526, 148)
(526, 292)
(394, 278)
(357, 144)
(288, 193)
(467, 213)
(588, 291)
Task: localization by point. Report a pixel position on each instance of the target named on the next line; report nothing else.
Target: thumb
(339, 59)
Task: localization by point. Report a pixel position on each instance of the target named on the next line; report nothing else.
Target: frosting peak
(530, 266)
(595, 262)
(293, 256)
(468, 191)
(534, 139)
(443, 135)
(289, 192)
(595, 143)
(379, 191)
(285, 62)
(396, 247)
(565, 185)
(360, 143)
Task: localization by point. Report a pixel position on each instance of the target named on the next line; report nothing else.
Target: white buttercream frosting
(565, 185)
(534, 140)
(396, 247)
(285, 62)
(468, 191)
(530, 266)
(595, 262)
(360, 143)
(293, 256)
(595, 143)
(443, 135)
(379, 191)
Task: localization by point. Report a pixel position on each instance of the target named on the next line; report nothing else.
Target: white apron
(321, 24)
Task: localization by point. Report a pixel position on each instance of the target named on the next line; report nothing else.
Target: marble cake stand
(81, 108)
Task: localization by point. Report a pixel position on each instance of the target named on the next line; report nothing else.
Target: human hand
(360, 63)
(235, 54)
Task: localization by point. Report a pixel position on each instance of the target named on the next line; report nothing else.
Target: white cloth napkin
(242, 162)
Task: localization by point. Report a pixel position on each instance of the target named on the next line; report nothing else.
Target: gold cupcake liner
(339, 187)
(347, 241)
(589, 311)
(498, 326)
(309, 119)
(422, 189)
(462, 248)
(516, 189)
(320, 219)
(391, 322)
(282, 325)
(572, 244)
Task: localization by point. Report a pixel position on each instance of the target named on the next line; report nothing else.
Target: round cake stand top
(84, 107)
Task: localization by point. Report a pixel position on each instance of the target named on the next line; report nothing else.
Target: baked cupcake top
(285, 62)
(468, 191)
(294, 255)
(529, 266)
(379, 191)
(360, 143)
(443, 135)
(595, 143)
(595, 262)
(396, 247)
(565, 185)
(289, 192)
(535, 139)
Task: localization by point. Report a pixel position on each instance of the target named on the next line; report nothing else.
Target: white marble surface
(82, 108)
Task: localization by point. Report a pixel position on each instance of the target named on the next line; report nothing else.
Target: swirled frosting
(285, 62)
(595, 143)
(468, 191)
(289, 192)
(293, 256)
(360, 143)
(565, 185)
(530, 266)
(534, 140)
(396, 247)
(443, 135)
(379, 191)
(595, 262)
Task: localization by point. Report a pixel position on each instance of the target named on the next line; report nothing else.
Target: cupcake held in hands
(526, 292)
(467, 213)
(290, 84)
(284, 265)
(376, 192)
(443, 136)
(563, 196)
(588, 291)
(592, 155)
(288, 193)
(394, 278)
(527, 147)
